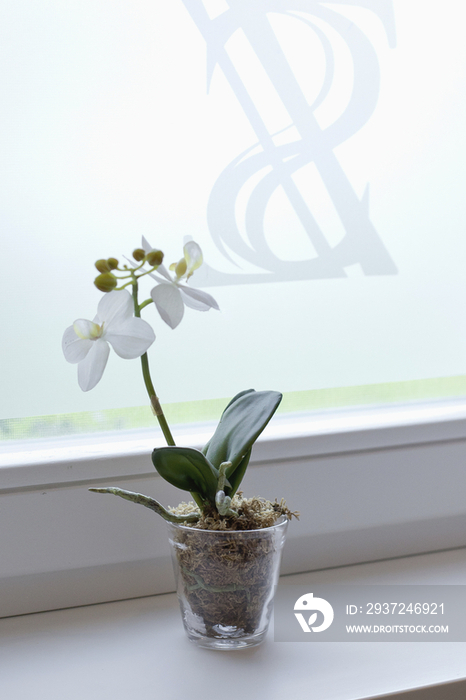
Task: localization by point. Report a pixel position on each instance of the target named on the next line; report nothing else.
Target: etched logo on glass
(273, 163)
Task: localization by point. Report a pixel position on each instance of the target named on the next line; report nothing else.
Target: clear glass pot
(225, 582)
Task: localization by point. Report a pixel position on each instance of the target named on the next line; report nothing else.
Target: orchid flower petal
(146, 245)
(116, 305)
(193, 256)
(158, 279)
(192, 303)
(163, 271)
(197, 299)
(131, 338)
(167, 298)
(91, 369)
(74, 348)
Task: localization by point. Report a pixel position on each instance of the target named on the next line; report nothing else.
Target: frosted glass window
(315, 150)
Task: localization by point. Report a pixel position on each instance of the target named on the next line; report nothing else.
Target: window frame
(321, 462)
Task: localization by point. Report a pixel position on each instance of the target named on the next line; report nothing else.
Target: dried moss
(253, 514)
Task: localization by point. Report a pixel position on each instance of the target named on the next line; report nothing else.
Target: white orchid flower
(169, 296)
(86, 343)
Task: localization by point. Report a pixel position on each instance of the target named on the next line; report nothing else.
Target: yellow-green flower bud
(106, 282)
(155, 257)
(102, 265)
(139, 254)
(112, 263)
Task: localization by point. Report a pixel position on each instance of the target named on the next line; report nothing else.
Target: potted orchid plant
(225, 548)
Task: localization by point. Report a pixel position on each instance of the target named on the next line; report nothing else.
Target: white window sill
(139, 647)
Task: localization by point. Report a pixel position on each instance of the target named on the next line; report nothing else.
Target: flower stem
(154, 401)
(145, 303)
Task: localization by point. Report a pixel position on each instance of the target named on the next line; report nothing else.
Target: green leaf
(149, 503)
(187, 469)
(238, 396)
(241, 423)
(237, 477)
